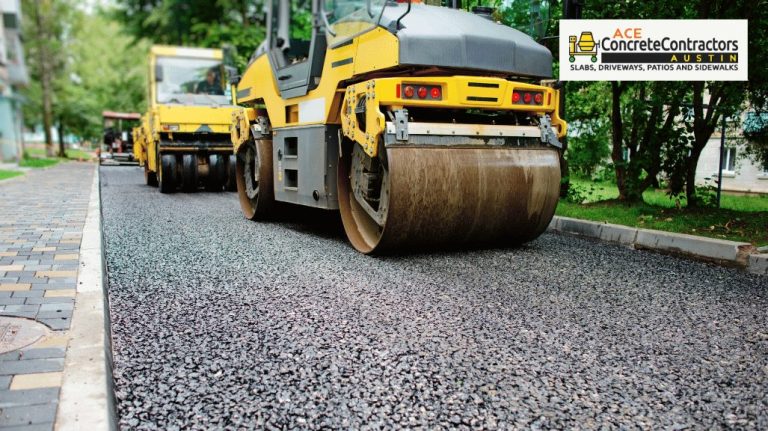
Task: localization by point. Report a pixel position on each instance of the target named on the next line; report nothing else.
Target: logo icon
(585, 46)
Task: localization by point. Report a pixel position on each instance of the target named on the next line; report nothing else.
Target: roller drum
(456, 196)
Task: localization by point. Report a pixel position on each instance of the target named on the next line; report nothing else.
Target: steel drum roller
(455, 196)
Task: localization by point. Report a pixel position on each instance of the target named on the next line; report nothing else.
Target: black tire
(167, 177)
(216, 173)
(254, 180)
(231, 184)
(189, 173)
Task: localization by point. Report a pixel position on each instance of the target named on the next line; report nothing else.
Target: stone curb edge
(726, 253)
(87, 400)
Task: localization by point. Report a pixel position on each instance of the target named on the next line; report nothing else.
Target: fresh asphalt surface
(219, 322)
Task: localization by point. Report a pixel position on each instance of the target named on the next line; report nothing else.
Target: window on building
(729, 160)
(10, 21)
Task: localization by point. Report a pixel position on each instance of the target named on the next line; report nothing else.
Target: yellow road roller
(184, 139)
(425, 126)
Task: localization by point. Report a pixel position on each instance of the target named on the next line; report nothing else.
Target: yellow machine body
(377, 49)
(452, 180)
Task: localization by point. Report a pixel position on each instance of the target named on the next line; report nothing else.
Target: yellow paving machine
(184, 139)
(423, 125)
(118, 139)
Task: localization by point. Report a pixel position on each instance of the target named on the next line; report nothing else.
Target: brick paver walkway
(41, 223)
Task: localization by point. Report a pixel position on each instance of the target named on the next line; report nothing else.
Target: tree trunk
(244, 13)
(45, 81)
(62, 147)
(690, 176)
(655, 182)
(47, 114)
(704, 125)
(20, 130)
(617, 139)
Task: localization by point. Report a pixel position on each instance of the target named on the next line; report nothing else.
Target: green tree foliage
(203, 23)
(536, 18)
(245, 40)
(713, 100)
(45, 24)
(106, 71)
(589, 127)
(94, 65)
(644, 127)
(657, 128)
(642, 115)
(171, 21)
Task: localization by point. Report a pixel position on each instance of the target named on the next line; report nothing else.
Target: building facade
(13, 76)
(740, 173)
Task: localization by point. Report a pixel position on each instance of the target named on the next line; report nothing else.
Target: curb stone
(87, 395)
(758, 264)
(727, 253)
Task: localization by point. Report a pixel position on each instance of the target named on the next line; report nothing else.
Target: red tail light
(549, 98)
(397, 91)
(426, 92)
(528, 97)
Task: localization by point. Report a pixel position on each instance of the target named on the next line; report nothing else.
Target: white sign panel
(312, 110)
(653, 50)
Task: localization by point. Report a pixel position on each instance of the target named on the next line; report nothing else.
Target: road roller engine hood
(474, 42)
(194, 119)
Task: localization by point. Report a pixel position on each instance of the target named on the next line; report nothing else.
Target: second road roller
(183, 140)
(425, 126)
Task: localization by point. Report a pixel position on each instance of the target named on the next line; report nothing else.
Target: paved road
(221, 322)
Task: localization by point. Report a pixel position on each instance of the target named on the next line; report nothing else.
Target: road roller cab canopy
(120, 115)
(471, 44)
(474, 43)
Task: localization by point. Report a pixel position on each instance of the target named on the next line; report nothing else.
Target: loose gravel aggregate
(219, 322)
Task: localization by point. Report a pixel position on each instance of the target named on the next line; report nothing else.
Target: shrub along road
(222, 322)
(741, 218)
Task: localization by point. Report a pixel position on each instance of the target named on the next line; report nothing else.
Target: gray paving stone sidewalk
(41, 222)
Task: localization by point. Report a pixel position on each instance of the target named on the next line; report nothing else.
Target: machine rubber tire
(167, 177)
(216, 172)
(231, 184)
(150, 178)
(189, 173)
(255, 181)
